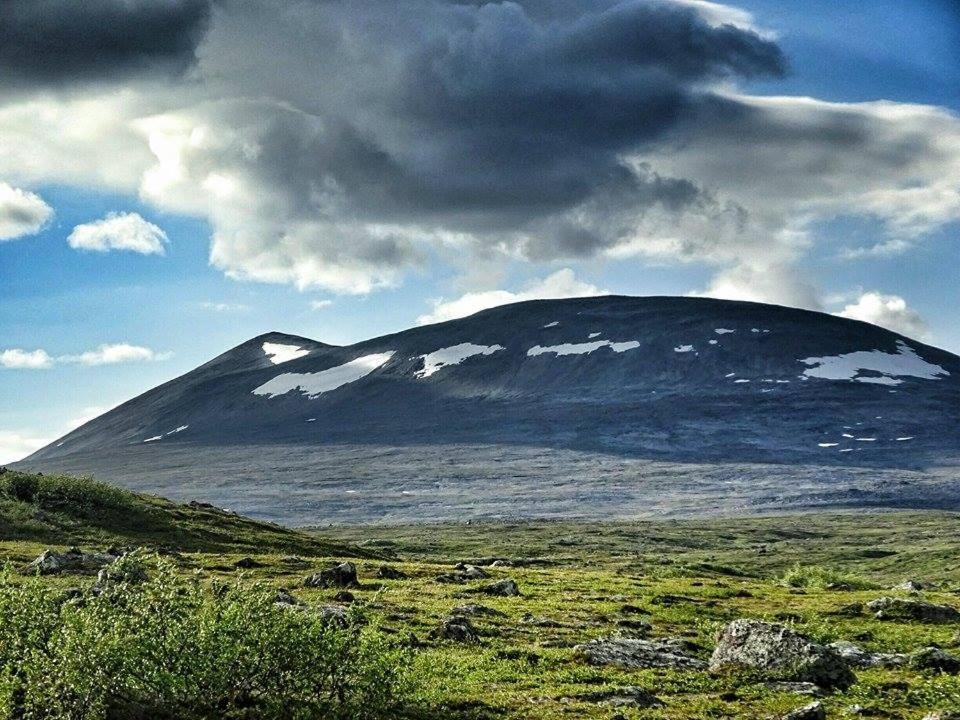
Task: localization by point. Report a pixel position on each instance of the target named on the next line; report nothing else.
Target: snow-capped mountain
(660, 380)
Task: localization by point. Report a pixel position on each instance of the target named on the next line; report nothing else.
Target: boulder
(633, 653)
(334, 615)
(342, 575)
(457, 629)
(344, 596)
(73, 560)
(285, 598)
(856, 656)
(247, 563)
(386, 572)
(910, 586)
(779, 651)
(502, 588)
(932, 658)
(813, 711)
(890, 608)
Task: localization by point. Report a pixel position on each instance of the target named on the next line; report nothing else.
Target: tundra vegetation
(117, 605)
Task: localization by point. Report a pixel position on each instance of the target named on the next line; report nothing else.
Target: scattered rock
(813, 711)
(539, 621)
(942, 715)
(858, 657)
(502, 588)
(635, 653)
(457, 629)
(501, 563)
(630, 696)
(74, 560)
(889, 608)
(386, 572)
(335, 615)
(285, 597)
(932, 658)
(640, 627)
(247, 563)
(910, 586)
(342, 575)
(850, 610)
(778, 650)
(471, 572)
(294, 561)
(476, 609)
(797, 688)
(344, 596)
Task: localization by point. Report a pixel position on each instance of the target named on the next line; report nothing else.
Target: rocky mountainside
(664, 380)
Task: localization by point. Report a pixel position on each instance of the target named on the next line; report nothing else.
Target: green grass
(686, 578)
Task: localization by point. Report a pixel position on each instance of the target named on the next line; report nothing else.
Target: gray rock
(502, 588)
(942, 715)
(455, 628)
(858, 657)
(539, 621)
(470, 572)
(634, 653)
(476, 609)
(74, 560)
(342, 575)
(889, 608)
(286, 598)
(932, 658)
(910, 586)
(334, 615)
(386, 572)
(813, 711)
(777, 650)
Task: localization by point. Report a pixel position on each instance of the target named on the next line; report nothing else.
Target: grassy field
(577, 582)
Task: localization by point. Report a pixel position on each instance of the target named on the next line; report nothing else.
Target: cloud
(113, 354)
(780, 284)
(119, 231)
(561, 284)
(224, 307)
(888, 311)
(352, 143)
(21, 213)
(17, 359)
(56, 41)
(16, 445)
(320, 304)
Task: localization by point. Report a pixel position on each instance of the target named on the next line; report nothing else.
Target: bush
(81, 496)
(172, 648)
(819, 577)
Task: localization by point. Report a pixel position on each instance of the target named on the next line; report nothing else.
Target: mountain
(558, 407)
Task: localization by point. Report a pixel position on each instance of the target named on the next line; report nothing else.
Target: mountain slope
(674, 380)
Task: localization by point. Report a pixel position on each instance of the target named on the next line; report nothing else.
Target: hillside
(553, 408)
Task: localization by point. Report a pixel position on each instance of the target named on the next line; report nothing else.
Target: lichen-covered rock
(635, 653)
(932, 658)
(813, 711)
(890, 608)
(457, 629)
(781, 652)
(856, 656)
(342, 575)
(73, 560)
(502, 588)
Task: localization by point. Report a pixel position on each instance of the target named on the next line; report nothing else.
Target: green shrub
(172, 648)
(81, 496)
(819, 577)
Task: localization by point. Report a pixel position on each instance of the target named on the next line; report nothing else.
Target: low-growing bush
(82, 496)
(175, 648)
(820, 577)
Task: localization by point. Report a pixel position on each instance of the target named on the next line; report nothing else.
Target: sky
(177, 176)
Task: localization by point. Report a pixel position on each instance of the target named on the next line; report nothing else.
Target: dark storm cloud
(65, 40)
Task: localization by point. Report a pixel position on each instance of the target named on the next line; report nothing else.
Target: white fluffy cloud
(774, 283)
(18, 359)
(561, 284)
(21, 212)
(119, 231)
(320, 304)
(17, 445)
(888, 311)
(113, 354)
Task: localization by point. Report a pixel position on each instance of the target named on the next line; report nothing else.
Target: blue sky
(182, 309)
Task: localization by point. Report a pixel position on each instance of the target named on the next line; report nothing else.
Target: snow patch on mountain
(315, 384)
(582, 348)
(454, 355)
(683, 348)
(279, 353)
(891, 366)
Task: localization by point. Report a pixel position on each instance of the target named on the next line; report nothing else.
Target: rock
(286, 598)
(335, 615)
(858, 657)
(910, 586)
(639, 627)
(633, 653)
(456, 628)
(471, 572)
(75, 560)
(342, 575)
(932, 658)
(779, 651)
(942, 715)
(849, 610)
(813, 711)
(501, 563)
(502, 588)
(344, 596)
(476, 609)
(385, 572)
(538, 621)
(294, 561)
(889, 608)
(630, 696)
(247, 563)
